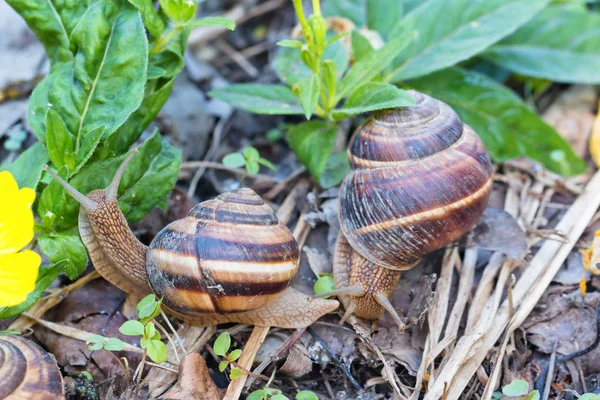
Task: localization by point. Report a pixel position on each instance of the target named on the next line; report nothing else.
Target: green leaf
(212, 21)
(234, 355)
(132, 328)
(260, 99)
(114, 344)
(222, 344)
(147, 301)
(68, 247)
(443, 33)
(290, 68)
(118, 143)
(370, 66)
(46, 276)
(324, 284)
(95, 342)
(149, 330)
(234, 160)
(157, 351)
(292, 44)
(87, 375)
(335, 170)
(506, 125)
(312, 142)
(148, 308)
(373, 96)
(257, 395)
(252, 167)
(335, 38)
(235, 373)
(51, 21)
(279, 396)
(105, 81)
(535, 395)
(382, 15)
(59, 141)
(354, 10)
(518, 387)
(588, 396)
(251, 154)
(152, 20)
(306, 395)
(223, 365)
(561, 44)
(2, 332)
(179, 10)
(308, 93)
(51, 201)
(88, 145)
(27, 169)
(360, 46)
(266, 163)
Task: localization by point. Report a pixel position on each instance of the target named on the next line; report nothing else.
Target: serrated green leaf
(157, 351)
(234, 355)
(105, 81)
(373, 96)
(292, 44)
(95, 342)
(290, 68)
(46, 275)
(235, 373)
(212, 21)
(59, 141)
(360, 46)
(312, 142)
(132, 328)
(518, 387)
(234, 160)
(152, 20)
(466, 29)
(223, 366)
(260, 99)
(506, 125)
(114, 344)
(306, 395)
(308, 93)
(65, 246)
(561, 44)
(370, 66)
(27, 169)
(222, 344)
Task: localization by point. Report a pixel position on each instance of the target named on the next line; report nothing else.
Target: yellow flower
(18, 269)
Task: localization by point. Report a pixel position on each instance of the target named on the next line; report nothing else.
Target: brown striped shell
(27, 372)
(421, 179)
(230, 254)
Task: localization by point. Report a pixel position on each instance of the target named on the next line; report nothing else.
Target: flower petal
(16, 217)
(18, 273)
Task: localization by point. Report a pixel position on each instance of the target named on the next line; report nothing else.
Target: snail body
(229, 260)
(420, 180)
(27, 372)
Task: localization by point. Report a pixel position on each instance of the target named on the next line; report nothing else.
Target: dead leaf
(497, 230)
(194, 381)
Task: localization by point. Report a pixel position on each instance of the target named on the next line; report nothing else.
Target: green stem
(164, 40)
(302, 19)
(316, 7)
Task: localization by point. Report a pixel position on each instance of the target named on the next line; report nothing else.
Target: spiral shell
(27, 372)
(421, 179)
(230, 254)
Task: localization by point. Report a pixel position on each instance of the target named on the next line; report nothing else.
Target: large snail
(27, 372)
(421, 179)
(229, 260)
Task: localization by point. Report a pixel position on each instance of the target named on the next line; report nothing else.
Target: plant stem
(164, 331)
(164, 40)
(173, 330)
(316, 7)
(118, 361)
(302, 19)
(139, 373)
(252, 374)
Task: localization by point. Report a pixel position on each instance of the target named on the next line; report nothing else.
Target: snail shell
(229, 255)
(421, 179)
(27, 372)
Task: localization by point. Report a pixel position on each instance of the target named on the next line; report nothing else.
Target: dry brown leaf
(499, 231)
(194, 381)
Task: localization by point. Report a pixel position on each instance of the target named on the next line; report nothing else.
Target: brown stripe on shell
(191, 303)
(27, 372)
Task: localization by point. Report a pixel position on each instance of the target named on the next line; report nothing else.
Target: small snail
(27, 372)
(229, 260)
(421, 179)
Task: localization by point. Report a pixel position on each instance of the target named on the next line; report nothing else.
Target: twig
(138, 373)
(164, 331)
(547, 387)
(162, 367)
(275, 190)
(166, 318)
(335, 358)
(238, 58)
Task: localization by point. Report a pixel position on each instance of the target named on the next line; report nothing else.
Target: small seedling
(221, 348)
(151, 342)
(520, 389)
(324, 284)
(97, 342)
(267, 393)
(87, 375)
(249, 158)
